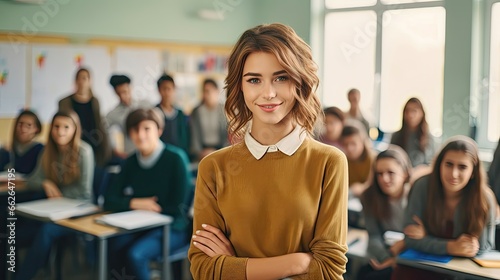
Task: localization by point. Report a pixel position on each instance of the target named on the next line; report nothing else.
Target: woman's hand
(464, 246)
(397, 247)
(146, 203)
(212, 241)
(51, 190)
(385, 264)
(415, 231)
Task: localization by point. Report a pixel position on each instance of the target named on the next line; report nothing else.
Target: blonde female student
(65, 169)
(275, 204)
(384, 203)
(452, 210)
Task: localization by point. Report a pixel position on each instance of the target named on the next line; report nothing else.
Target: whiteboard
(144, 68)
(53, 75)
(12, 79)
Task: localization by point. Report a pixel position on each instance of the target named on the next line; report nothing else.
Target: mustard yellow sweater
(273, 206)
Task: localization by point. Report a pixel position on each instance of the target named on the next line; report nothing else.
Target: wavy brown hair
(62, 167)
(422, 130)
(374, 200)
(293, 54)
(475, 208)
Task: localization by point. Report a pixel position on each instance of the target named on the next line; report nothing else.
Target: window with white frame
(390, 52)
(350, 47)
(412, 65)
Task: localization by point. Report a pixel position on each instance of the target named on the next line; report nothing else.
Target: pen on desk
(353, 242)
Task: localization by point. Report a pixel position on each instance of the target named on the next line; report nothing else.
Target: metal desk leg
(166, 275)
(103, 259)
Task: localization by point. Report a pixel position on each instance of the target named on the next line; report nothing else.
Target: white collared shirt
(287, 145)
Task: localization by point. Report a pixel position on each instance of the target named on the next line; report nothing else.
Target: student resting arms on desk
(452, 210)
(25, 151)
(384, 203)
(275, 204)
(155, 178)
(65, 169)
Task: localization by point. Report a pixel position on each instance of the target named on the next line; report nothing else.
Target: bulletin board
(53, 70)
(13, 78)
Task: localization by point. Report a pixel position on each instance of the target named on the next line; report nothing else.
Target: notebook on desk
(57, 208)
(134, 219)
(488, 259)
(415, 255)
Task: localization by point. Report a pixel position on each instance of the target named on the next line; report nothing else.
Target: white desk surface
(457, 267)
(358, 248)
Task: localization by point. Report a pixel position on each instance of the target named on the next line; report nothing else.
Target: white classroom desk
(88, 225)
(462, 268)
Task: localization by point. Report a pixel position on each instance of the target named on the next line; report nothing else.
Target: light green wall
(457, 67)
(163, 20)
(296, 13)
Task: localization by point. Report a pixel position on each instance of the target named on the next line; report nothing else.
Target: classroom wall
(173, 20)
(296, 13)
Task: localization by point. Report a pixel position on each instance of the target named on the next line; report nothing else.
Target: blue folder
(414, 255)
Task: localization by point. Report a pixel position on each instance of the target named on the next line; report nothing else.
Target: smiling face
(26, 129)
(456, 170)
(390, 176)
(63, 130)
(268, 91)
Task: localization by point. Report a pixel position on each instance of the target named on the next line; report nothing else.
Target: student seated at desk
(357, 148)
(452, 210)
(25, 151)
(155, 178)
(65, 169)
(384, 203)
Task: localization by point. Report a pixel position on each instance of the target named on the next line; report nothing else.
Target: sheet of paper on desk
(488, 259)
(415, 255)
(134, 219)
(57, 208)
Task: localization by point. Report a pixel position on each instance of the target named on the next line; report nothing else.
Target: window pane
(350, 59)
(412, 65)
(404, 1)
(494, 96)
(336, 4)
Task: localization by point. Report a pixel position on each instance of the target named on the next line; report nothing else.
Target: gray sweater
(376, 228)
(434, 245)
(81, 188)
